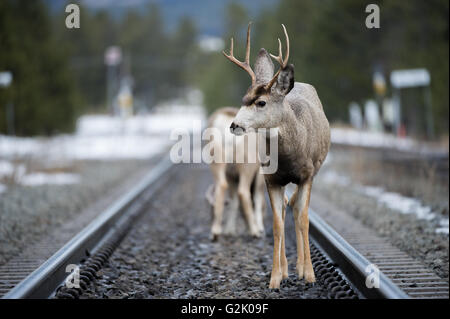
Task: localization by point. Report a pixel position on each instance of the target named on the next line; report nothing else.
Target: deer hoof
(216, 230)
(230, 230)
(275, 282)
(256, 234)
(261, 229)
(309, 276)
(214, 237)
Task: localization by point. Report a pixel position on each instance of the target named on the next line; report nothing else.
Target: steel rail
(42, 282)
(350, 262)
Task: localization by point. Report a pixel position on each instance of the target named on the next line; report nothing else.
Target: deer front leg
(301, 205)
(221, 186)
(296, 205)
(279, 266)
(284, 263)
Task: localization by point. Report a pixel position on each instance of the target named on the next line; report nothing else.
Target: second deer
(240, 181)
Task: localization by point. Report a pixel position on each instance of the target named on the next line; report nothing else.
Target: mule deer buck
(235, 179)
(276, 101)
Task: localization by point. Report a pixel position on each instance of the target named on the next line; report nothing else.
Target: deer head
(262, 105)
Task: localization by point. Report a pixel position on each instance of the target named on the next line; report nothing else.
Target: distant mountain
(207, 14)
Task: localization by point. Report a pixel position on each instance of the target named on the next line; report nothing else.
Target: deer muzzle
(236, 129)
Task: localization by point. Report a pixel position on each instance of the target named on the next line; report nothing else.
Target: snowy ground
(350, 136)
(97, 137)
(103, 137)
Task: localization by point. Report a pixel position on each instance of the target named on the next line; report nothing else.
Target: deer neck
(288, 170)
(288, 133)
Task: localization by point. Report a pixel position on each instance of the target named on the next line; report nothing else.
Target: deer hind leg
(301, 205)
(246, 201)
(232, 211)
(260, 202)
(276, 195)
(221, 186)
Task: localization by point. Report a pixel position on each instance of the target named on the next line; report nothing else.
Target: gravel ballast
(29, 214)
(169, 254)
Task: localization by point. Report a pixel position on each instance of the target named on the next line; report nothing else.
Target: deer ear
(285, 81)
(263, 67)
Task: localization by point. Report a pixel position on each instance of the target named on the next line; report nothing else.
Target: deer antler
(245, 65)
(279, 58)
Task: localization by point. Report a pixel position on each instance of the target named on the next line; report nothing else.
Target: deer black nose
(236, 129)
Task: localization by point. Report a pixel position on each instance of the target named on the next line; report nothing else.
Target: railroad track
(341, 268)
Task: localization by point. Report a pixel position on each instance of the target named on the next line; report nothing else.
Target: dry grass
(419, 179)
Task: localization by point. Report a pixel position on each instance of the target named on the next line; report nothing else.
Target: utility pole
(379, 86)
(113, 57)
(5, 81)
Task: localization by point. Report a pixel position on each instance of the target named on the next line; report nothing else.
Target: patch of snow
(74, 147)
(103, 137)
(394, 201)
(349, 136)
(444, 226)
(13, 147)
(6, 168)
(37, 179)
(156, 124)
(110, 147)
(332, 177)
(33, 179)
(397, 202)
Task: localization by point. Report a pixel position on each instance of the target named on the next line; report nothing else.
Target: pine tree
(43, 90)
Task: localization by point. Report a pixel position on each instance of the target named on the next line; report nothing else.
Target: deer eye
(261, 103)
